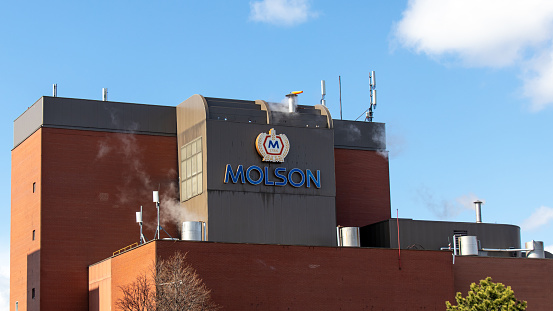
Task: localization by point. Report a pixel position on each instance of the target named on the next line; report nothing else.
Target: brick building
(82, 168)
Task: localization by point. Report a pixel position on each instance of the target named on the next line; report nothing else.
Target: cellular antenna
(139, 221)
(157, 235)
(156, 201)
(372, 91)
(323, 93)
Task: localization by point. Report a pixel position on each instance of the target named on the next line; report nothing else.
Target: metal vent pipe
(292, 102)
(478, 208)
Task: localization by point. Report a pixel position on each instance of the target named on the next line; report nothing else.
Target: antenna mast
(156, 201)
(372, 90)
(323, 93)
(157, 235)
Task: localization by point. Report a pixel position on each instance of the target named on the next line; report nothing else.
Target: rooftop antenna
(372, 89)
(139, 221)
(157, 235)
(323, 93)
(105, 94)
(55, 89)
(156, 201)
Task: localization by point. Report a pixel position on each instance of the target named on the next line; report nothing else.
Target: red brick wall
(529, 278)
(277, 277)
(362, 187)
(93, 183)
(126, 267)
(25, 217)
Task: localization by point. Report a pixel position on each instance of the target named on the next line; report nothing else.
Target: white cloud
(486, 33)
(540, 217)
(281, 12)
(549, 248)
(539, 81)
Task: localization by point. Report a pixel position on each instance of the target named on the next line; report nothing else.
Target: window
(191, 169)
(34, 235)
(33, 293)
(34, 187)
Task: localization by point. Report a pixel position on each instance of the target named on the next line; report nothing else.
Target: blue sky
(465, 90)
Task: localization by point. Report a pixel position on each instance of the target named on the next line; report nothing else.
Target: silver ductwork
(535, 249)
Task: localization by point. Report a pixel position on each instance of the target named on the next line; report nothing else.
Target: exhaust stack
(293, 101)
(478, 208)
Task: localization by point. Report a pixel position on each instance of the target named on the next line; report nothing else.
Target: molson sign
(272, 148)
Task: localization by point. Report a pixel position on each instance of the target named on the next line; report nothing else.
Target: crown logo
(272, 147)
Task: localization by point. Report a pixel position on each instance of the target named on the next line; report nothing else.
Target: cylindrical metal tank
(192, 230)
(469, 245)
(349, 236)
(536, 249)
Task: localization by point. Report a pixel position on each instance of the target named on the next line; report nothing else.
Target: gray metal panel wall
(95, 115)
(270, 214)
(27, 123)
(432, 235)
(246, 217)
(359, 135)
(109, 116)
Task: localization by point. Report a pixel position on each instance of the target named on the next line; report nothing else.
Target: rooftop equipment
(323, 93)
(157, 235)
(372, 102)
(372, 91)
(478, 208)
(156, 201)
(293, 100)
(469, 245)
(192, 231)
(55, 90)
(139, 221)
(348, 236)
(535, 249)
(105, 94)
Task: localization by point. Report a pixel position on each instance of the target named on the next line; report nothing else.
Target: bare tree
(138, 296)
(178, 286)
(174, 285)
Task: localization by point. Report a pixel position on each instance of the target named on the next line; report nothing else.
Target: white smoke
(283, 106)
(379, 136)
(171, 210)
(445, 208)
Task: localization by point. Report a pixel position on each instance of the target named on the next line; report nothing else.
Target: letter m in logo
(273, 144)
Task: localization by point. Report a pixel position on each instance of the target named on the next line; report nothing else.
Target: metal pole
(340, 85)
(158, 226)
